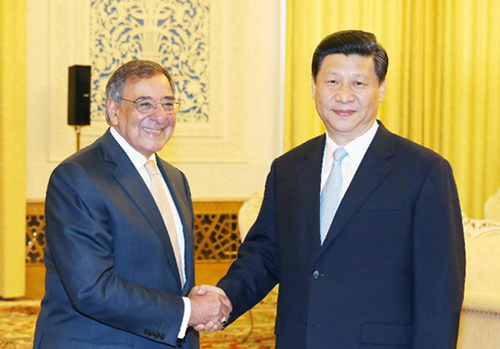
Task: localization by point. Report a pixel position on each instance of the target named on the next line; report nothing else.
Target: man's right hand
(210, 308)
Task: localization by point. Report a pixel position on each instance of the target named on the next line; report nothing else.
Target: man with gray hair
(119, 232)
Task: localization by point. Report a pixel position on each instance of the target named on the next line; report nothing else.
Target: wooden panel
(216, 233)
(208, 273)
(35, 232)
(35, 280)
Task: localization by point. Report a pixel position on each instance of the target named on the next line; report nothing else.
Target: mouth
(153, 131)
(344, 112)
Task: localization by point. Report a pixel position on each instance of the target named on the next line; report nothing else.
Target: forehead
(156, 86)
(338, 63)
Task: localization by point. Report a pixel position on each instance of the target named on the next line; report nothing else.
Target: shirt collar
(356, 148)
(137, 158)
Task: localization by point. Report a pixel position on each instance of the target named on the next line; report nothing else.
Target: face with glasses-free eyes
(145, 117)
(347, 94)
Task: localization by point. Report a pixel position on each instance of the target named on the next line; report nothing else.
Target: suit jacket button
(316, 274)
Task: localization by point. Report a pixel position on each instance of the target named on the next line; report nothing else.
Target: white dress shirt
(356, 150)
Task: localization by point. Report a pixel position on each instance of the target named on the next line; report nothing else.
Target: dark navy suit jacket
(112, 279)
(390, 273)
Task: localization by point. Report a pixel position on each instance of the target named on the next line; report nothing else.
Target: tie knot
(151, 168)
(339, 154)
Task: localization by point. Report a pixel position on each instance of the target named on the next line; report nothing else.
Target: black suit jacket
(112, 279)
(391, 270)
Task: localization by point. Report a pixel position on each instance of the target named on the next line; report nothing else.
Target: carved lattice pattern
(35, 232)
(173, 33)
(215, 230)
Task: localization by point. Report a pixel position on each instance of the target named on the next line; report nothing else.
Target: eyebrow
(362, 75)
(151, 98)
(335, 73)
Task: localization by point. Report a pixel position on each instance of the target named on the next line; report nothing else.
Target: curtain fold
(12, 147)
(443, 84)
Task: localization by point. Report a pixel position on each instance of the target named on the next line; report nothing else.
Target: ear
(112, 110)
(313, 88)
(381, 91)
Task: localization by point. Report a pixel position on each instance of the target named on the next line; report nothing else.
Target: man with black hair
(360, 228)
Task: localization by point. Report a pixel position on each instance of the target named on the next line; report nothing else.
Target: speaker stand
(77, 131)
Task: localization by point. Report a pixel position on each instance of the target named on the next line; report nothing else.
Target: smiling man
(119, 231)
(360, 228)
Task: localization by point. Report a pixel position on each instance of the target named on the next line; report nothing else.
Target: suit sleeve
(81, 246)
(439, 261)
(255, 272)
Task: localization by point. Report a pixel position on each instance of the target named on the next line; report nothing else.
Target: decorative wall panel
(215, 230)
(224, 157)
(35, 232)
(173, 33)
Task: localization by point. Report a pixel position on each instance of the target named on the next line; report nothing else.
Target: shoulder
(306, 151)
(403, 148)
(417, 152)
(171, 171)
(168, 167)
(89, 162)
(407, 158)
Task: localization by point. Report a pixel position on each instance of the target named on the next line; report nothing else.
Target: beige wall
(230, 162)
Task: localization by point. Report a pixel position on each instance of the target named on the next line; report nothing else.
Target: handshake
(210, 308)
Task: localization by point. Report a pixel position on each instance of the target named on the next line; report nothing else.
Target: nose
(159, 114)
(344, 94)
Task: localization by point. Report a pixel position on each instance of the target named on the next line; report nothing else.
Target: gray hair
(133, 70)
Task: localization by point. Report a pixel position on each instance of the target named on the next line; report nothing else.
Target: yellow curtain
(12, 147)
(443, 85)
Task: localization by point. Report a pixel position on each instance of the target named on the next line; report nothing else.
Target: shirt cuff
(185, 318)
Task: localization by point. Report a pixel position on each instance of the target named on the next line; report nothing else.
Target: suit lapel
(309, 179)
(132, 183)
(372, 170)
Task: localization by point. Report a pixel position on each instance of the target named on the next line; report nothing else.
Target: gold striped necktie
(161, 199)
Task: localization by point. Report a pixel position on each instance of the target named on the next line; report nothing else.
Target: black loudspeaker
(79, 95)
